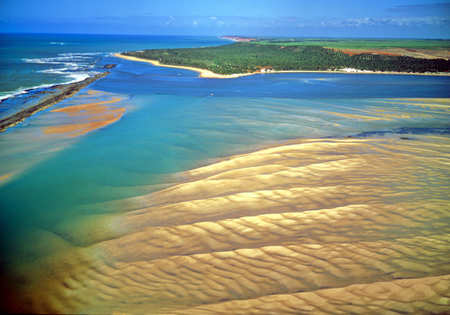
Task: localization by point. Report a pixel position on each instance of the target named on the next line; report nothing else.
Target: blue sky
(321, 18)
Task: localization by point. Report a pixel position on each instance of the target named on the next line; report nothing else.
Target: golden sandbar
(89, 117)
(358, 225)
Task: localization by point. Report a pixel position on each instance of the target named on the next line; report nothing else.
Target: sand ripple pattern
(327, 226)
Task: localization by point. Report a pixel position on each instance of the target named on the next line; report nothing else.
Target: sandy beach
(209, 74)
(203, 72)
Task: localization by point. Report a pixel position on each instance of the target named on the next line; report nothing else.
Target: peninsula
(204, 73)
(262, 56)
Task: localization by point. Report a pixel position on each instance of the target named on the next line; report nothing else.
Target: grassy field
(347, 43)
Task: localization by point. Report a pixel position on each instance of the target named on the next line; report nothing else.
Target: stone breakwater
(59, 93)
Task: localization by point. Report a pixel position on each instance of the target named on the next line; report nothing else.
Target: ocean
(154, 190)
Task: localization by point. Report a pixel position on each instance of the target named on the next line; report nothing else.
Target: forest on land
(243, 57)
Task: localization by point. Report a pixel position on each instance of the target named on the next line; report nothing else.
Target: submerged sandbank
(328, 219)
(209, 74)
(300, 226)
(84, 118)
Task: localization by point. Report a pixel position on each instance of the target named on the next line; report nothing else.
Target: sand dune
(395, 297)
(281, 227)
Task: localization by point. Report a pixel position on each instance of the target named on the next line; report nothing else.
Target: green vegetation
(250, 57)
(368, 44)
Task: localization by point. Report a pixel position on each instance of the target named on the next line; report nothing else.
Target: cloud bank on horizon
(346, 18)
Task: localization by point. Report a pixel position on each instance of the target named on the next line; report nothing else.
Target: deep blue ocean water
(174, 121)
(34, 60)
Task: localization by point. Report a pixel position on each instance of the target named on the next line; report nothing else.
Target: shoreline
(63, 92)
(211, 75)
(203, 72)
(86, 117)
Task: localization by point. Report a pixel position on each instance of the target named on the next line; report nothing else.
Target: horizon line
(233, 35)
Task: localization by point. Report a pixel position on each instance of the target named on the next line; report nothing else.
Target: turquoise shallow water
(163, 134)
(176, 121)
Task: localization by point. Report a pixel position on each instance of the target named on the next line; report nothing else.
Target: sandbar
(86, 117)
(203, 72)
(340, 219)
(6, 176)
(310, 224)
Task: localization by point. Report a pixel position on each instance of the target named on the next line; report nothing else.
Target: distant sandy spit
(209, 74)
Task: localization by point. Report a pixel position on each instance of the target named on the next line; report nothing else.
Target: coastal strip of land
(62, 92)
(250, 58)
(204, 73)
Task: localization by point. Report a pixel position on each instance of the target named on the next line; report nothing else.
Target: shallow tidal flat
(311, 226)
(335, 225)
(55, 130)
